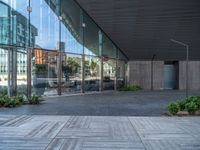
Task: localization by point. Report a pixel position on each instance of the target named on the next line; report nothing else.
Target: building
(154, 35)
(14, 30)
(66, 52)
(74, 46)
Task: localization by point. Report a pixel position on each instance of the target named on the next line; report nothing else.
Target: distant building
(14, 32)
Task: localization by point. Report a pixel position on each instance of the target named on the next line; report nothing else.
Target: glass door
(71, 73)
(45, 72)
(109, 74)
(92, 73)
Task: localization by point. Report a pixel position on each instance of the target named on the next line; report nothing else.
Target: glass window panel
(3, 70)
(45, 24)
(109, 50)
(71, 27)
(121, 56)
(71, 73)
(45, 72)
(120, 73)
(109, 73)
(14, 22)
(91, 36)
(21, 71)
(92, 73)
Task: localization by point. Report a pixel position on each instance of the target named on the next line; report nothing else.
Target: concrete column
(193, 75)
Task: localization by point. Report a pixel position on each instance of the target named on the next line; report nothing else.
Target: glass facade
(52, 47)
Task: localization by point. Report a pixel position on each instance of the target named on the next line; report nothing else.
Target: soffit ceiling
(143, 28)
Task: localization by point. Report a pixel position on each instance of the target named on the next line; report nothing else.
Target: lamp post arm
(178, 42)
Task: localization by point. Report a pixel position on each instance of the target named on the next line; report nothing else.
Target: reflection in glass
(120, 73)
(52, 22)
(21, 71)
(14, 27)
(109, 49)
(92, 73)
(44, 18)
(71, 27)
(91, 37)
(45, 79)
(3, 70)
(71, 73)
(109, 73)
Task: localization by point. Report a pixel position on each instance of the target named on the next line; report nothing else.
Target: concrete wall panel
(140, 74)
(194, 75)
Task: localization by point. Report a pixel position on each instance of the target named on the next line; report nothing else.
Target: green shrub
(19, 99)
(189, 99)
(6, 101)
(196, 100)
(34, 99)
(2, 100)
(173, 108)
(9, 101)
(3, 91)
(191, 107)
(181, 105)
(130, 88)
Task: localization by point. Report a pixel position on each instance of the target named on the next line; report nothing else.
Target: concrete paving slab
(39, 132)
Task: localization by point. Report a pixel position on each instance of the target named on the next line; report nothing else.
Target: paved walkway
(140, 103)
(98, 133)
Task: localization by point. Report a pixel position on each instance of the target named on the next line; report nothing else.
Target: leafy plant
(196, 100)
(3, 91)
(19, 99)
(2, 100)
(34, 99)
(40, 69)
(173, 108)
(181, 105)
(191, 107)
(130, 88)
(9, 101)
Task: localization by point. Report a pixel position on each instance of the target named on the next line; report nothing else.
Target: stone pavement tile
(46, 129)
(83, 133)
(66, 144)
(119, 127)
(78, 122)
(6, 132)
(191, 128)
(99, 133)
(112, 145)
(99, 128)
(16, 121)
(161, 145)
(188, 143)
(157, 128)
(50, 118)
(23, 143)
(178, 144)
(6, 117)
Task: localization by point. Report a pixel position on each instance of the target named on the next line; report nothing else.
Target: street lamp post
(83, 59)
(152, 59)
(187, 60)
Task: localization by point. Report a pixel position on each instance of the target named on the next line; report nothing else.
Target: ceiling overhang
(143, 28)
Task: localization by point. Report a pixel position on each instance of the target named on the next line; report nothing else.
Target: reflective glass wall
(52, 47)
